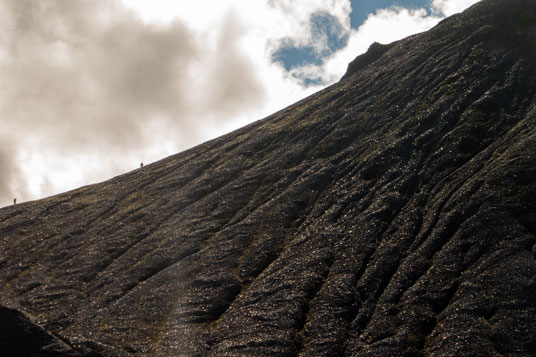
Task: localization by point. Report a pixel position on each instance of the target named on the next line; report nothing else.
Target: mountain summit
(391, 214)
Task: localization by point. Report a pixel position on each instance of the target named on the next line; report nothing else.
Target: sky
(92, 88)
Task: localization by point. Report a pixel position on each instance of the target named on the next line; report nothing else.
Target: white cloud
(88, 97)
(450, 7)
(385, 26)
(90, 87)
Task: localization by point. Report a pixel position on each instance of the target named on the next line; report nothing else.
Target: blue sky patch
(324, 27)
(292, 57)
(328, 31)
(362, 8)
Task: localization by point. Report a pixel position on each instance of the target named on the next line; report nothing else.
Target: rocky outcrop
(19, 336)
(375, 51)
(392, 213)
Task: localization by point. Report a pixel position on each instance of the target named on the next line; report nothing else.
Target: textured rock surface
(392, 213)
(20, 337)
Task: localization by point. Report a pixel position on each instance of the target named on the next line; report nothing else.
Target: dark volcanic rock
(19, 336)
(390, 214)
(375, 51)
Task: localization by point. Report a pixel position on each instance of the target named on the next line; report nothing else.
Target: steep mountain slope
(392, 213)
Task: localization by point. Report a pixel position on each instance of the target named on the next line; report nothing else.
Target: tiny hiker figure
(15, 201)
(141, 165)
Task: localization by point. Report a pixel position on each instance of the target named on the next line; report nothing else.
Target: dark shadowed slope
(390, 214)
